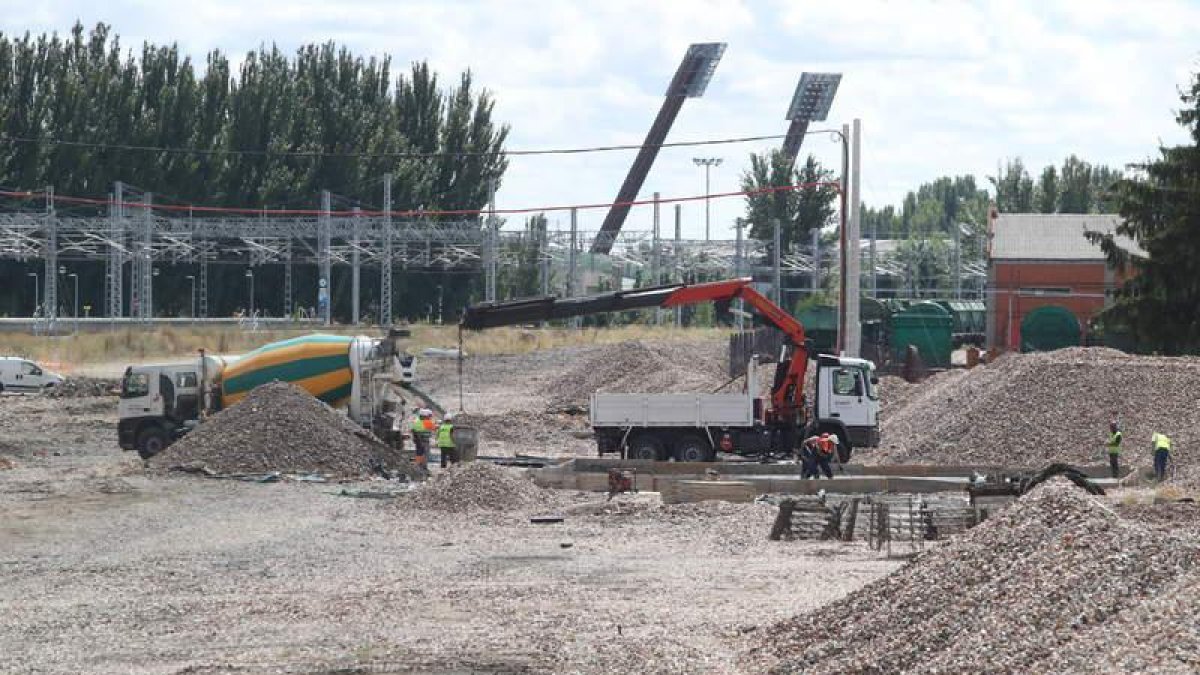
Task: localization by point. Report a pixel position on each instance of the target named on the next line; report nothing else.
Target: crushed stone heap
(280, 427)
(1056, 569)
(1033, 409)
(640, 366)
(477, 486)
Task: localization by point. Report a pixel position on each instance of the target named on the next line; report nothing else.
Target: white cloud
(943, 88)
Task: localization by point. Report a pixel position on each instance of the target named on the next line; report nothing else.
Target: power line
(5, 138)
(413, 213)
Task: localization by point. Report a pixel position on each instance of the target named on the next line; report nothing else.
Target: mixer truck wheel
(150, 442)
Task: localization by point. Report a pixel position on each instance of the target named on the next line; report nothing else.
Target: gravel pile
(641, 367)
(78, 387)
(280, 427)
(1031, 409)
(1057, 569)
(478, 486)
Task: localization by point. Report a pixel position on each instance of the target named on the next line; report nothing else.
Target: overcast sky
(942, 88)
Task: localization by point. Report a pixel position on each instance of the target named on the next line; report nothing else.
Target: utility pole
(676, 262)
(355, 270)
(385, 264)
(854, 257)
(655, 262)
(572, 259)
(843, 240)
(116, 242)
(708, 163)
(490, 265)
(737, 269)
(778, 264)
(325, 281)
(50, 304)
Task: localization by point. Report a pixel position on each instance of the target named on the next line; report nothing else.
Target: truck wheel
(693, 448)
(844, 449)
(645, 446)
(150, 442)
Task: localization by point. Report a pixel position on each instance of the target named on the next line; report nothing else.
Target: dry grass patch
(142, 345)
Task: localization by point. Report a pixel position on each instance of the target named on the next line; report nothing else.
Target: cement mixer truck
(372, 378)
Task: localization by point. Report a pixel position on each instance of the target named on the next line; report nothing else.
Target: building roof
(1053, 236)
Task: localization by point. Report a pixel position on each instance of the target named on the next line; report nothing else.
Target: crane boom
(787, 391)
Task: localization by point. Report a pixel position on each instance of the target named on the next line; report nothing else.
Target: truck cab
(847, 400)
(158, 404)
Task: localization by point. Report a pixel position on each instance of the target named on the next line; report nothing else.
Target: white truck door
(139, 394)
(844, 392)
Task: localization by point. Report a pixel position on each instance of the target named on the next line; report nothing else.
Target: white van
(25, 376)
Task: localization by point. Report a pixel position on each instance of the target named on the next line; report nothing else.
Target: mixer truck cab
(157, 405)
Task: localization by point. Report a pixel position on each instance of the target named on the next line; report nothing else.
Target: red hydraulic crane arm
(788, 388)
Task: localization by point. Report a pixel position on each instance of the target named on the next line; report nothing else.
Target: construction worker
(1114, 448)
(825, 449)
(808, 457)
(445, 441)
(422, 430)
(816, 453)
(1162, 454)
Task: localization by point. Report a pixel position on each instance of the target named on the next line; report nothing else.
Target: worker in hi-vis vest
(1114, 449)
(445, 441)
(422, 429)
(1162, 454)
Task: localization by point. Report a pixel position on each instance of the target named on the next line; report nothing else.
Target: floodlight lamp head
(697, 69)
(814, 96)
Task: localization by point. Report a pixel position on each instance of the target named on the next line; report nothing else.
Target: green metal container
(1049, 327)
(969, 316)
(928, 327)
(820, 325)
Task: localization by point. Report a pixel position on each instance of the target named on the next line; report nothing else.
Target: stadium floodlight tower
(810, 103)
(690, 81)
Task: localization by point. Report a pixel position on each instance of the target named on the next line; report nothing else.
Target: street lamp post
(250, 276)
(75, 313)
(708, 163)
(37, 291)
(150, 302)
(192, 303)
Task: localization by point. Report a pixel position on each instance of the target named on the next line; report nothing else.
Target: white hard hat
(425, 412)
(448, 418)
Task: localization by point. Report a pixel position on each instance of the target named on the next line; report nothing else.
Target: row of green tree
(79, 112)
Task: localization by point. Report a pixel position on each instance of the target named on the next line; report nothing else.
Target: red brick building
(1038, 260)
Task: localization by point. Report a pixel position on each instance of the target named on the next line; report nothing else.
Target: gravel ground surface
(1032, 409)
(108, 568)
(1015, 594)
(280, 427)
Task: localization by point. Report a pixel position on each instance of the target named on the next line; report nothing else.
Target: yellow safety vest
(1161, 442)
(444, 437)
(1114, 443)
(418, 426)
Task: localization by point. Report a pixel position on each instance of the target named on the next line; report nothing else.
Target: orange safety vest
(825, 445)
